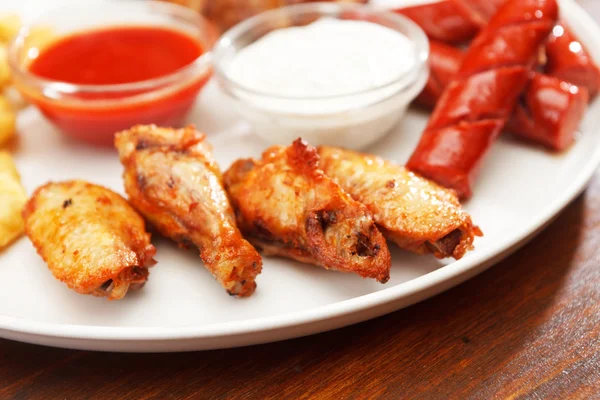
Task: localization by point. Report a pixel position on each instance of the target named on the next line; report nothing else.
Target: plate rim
(339, 309)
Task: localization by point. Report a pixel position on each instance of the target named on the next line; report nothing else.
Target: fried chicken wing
(173, 180)
(90, 237)
(413, 212)
(288, 207)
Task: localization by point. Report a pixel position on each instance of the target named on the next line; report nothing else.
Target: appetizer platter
(253, 216)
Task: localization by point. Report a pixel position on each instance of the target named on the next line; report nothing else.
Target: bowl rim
(201, 63)
(416, 36)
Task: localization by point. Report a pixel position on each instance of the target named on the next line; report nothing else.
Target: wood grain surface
(527, 328)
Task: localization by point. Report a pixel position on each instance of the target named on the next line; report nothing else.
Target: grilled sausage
(444, 63)
(549, 112)
(441, 21)
(567, 57)
(569, 60)
(476, 105)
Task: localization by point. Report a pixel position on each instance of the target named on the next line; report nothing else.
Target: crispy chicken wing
(90, 237)
(172, 179)
(413, 212)
(288, 207)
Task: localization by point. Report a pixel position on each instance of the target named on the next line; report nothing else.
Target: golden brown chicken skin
(90, 237)
(173, 180)
(288, 207)
(413, 212)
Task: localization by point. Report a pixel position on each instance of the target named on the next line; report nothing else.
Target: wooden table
(528, 327)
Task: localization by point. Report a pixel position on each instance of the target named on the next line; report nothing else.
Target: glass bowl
(93, 113)
(353, 120)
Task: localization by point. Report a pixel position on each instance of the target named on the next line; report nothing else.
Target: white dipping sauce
(335, 82)
(326, 58)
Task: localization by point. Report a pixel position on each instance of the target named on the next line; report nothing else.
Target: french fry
(7, 120)
(13, 96)
(10, 100)
(12, 201)
(9, 26)
(4, 69)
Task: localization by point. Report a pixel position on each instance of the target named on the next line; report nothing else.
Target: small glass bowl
(93, 113)
(353, 120)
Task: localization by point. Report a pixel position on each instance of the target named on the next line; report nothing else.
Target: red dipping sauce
(116, 55)
(119, 76)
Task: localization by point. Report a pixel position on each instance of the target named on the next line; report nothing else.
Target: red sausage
(441, 21)
(549, 112)
(476, 105)
(569, 60)
(552, 112)
(444, 63)
(450, 151)
(479, 12)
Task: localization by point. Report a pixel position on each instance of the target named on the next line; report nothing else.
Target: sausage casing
(476, 105)
(567, 57)
(569, 60)
(441, 21)
(548, 114)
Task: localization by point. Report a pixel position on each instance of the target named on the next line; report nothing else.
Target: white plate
(520, 190)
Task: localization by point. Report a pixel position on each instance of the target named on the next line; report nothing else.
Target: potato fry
(9, 26)
(13, 96)
(8, 119)
(4, 68)
(10, 100)
(12, 200)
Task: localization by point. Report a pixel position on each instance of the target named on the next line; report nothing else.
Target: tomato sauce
(118, 55)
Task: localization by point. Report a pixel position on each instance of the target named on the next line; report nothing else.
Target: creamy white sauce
(326, 58)
(335, 82)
